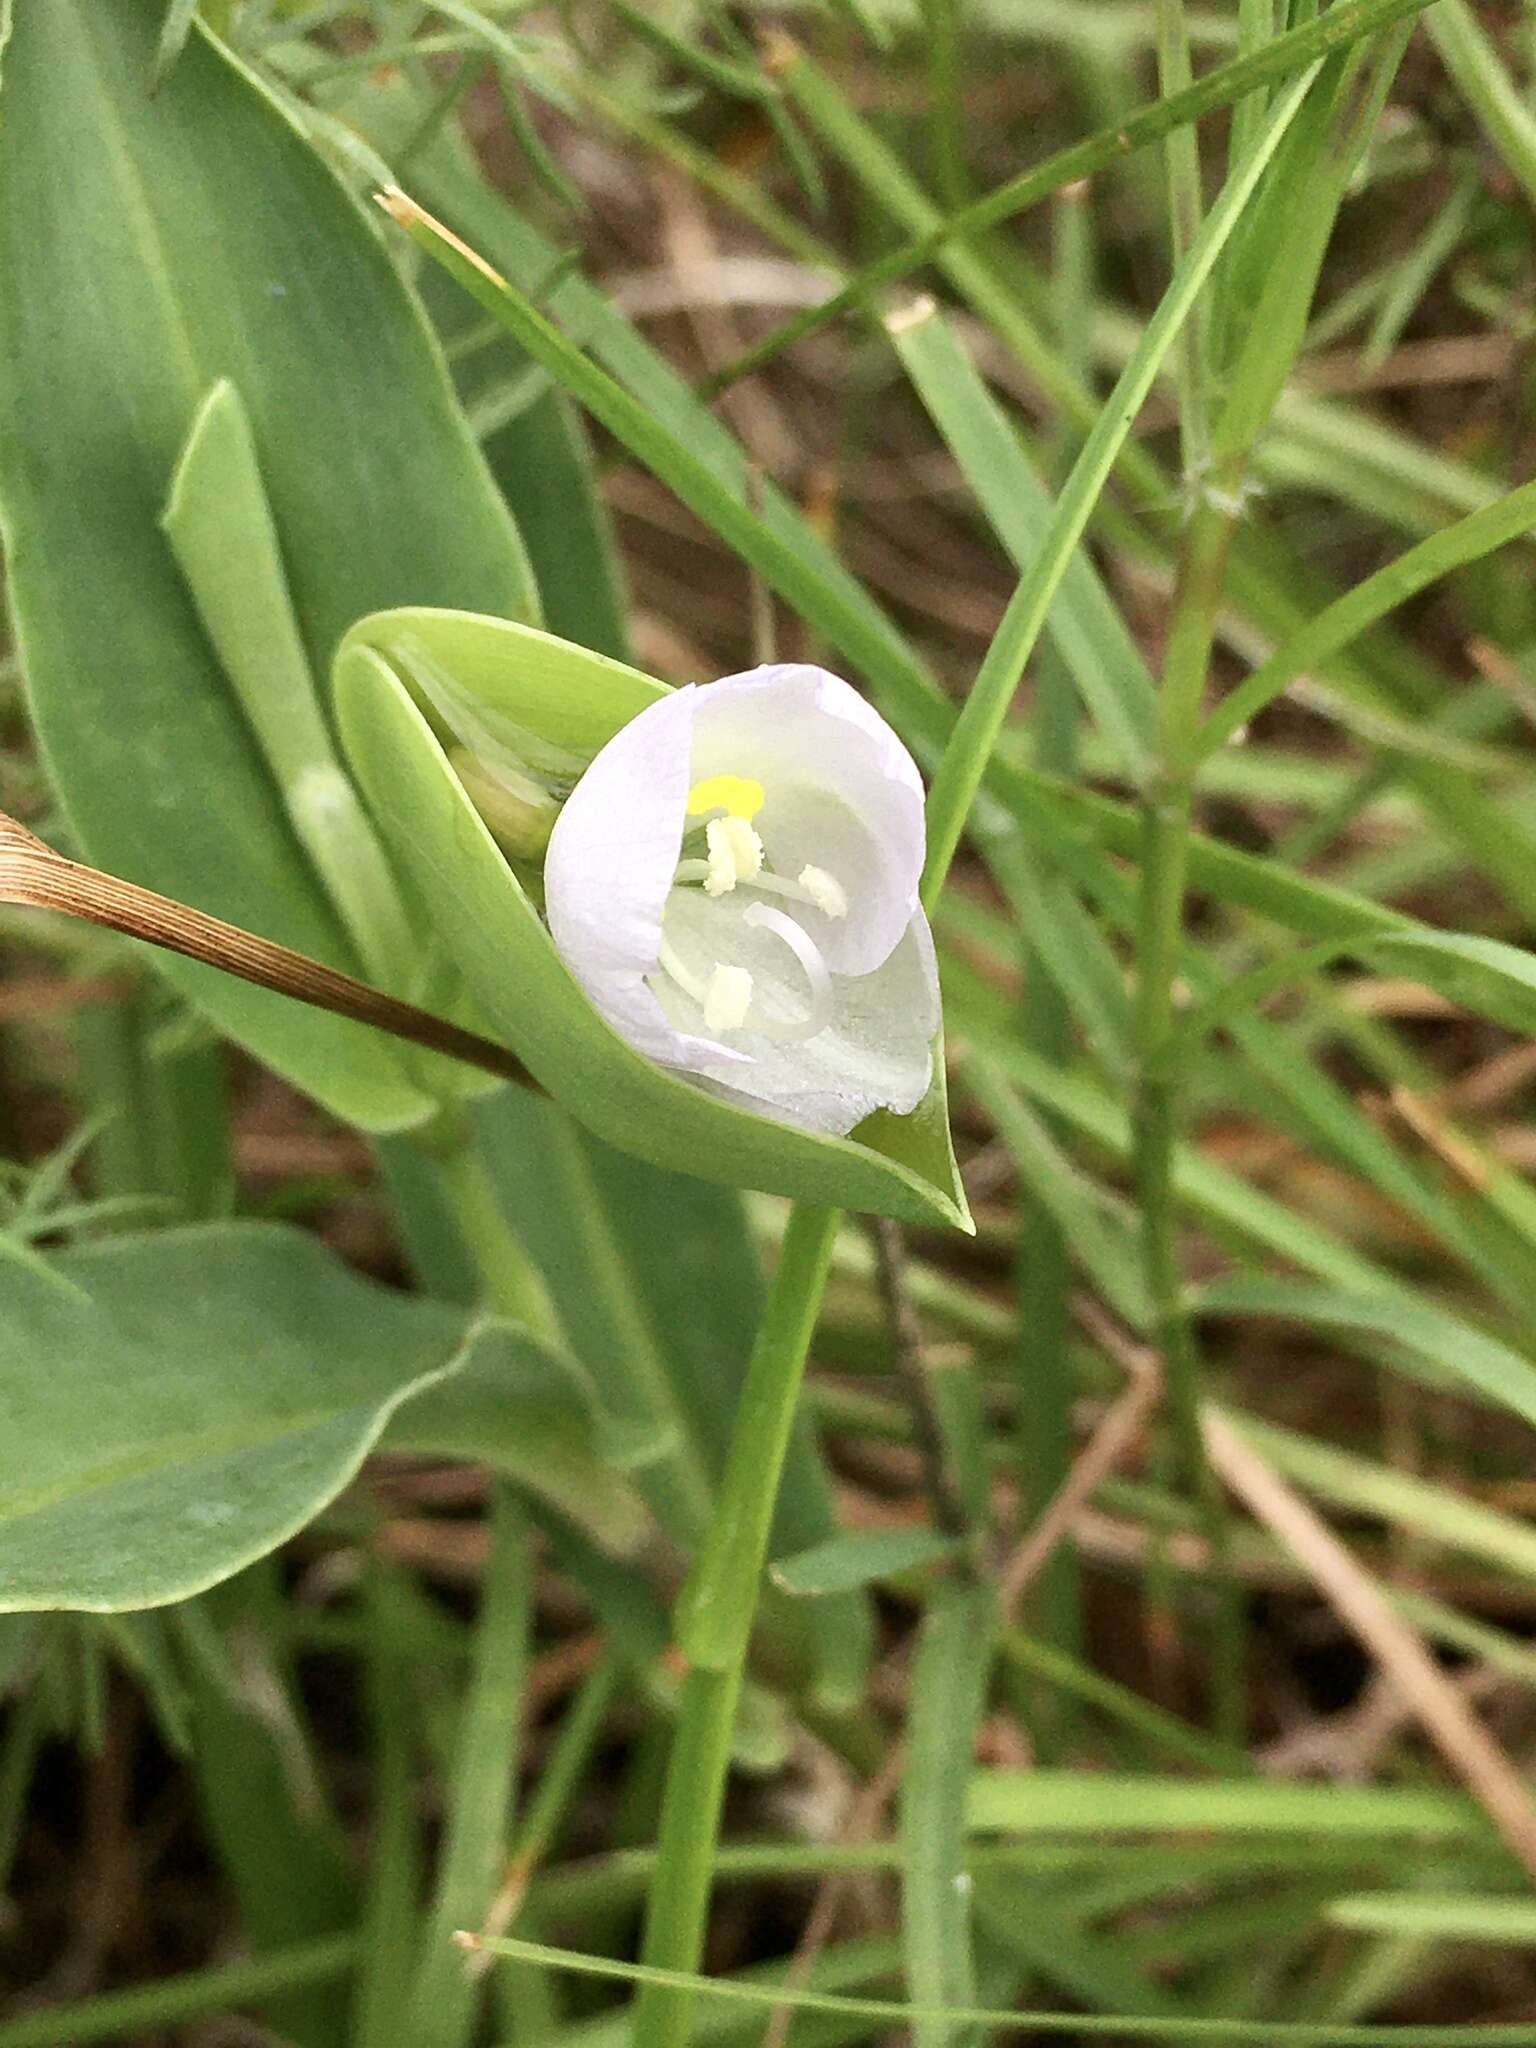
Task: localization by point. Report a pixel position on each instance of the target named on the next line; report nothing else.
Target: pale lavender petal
(609, 870)
(842, 793)
(875, 1054)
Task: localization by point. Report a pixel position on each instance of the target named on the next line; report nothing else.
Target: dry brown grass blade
(1435, 1701)
(33, 875)
(1122, 1424)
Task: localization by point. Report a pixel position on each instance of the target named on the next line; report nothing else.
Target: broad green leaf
(859, 1557)
(136, 271)
(175, 1406)
(900, 1166)
(511, 1404)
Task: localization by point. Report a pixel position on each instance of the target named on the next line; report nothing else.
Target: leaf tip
(400, 206)
(912, 314)
(407, 213)
(777, 51)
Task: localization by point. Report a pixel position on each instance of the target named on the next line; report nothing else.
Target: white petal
(608, 872)
(875, 1054)
(842, 794)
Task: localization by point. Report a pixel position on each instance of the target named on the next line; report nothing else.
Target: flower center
(734, 857)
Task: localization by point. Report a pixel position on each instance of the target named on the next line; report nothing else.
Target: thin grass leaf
(1492, 526)
(1439, 1916)
(1123, 2027)
(1287, 54)
(959, 774)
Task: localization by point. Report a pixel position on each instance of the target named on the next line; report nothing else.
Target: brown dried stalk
(1433, 1698)
(34, 875)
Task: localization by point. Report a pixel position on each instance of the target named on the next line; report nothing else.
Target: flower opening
(733, 882)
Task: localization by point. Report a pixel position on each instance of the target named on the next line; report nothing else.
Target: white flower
(733, 882)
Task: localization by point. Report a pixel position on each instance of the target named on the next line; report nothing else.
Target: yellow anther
(737, 795)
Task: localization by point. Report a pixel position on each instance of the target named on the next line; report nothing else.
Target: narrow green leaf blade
(859, 1557)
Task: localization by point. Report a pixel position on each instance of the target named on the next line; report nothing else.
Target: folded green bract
(415, 689)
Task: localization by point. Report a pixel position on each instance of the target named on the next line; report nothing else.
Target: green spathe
(564, 704)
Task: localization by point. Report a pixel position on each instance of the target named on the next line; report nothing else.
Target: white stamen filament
(668, 960)
(735, 855)
(825, 893)
(808, 953)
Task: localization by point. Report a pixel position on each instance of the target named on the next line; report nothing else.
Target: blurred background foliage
(1251, 1750)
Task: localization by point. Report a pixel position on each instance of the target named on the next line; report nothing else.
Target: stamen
(815, 898)
(737, 795)
(727, 999)
(808, 953)
(668, 961)
(735, 855)
(825, 891)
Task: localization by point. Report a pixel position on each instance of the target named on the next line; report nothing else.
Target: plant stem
(510, 1283)
(714, 1622)
(714, 1617)
(1181, 159)
(1311, 180)
(445, 1998)
(1166, 813)
(677, 1904)
(1043, 1265)
(381, 1985)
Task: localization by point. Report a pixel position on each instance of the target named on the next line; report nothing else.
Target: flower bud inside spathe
(733, 882)
(519, 814)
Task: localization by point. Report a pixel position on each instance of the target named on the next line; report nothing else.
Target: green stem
(949, 1683)
(1166, 814)
(1181, 160)
(1312, 178)
(394, 1849)
(445, 1997)
(510, 1283)
(714, 1622)
(714, 1618)
(1043, 1265)
(677, 1905)
(946, 83)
